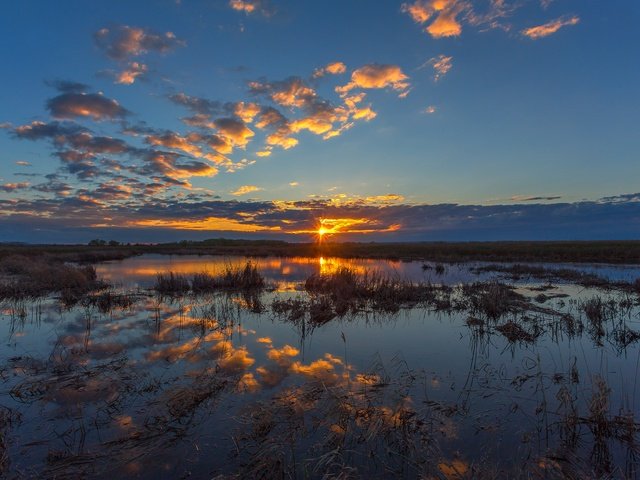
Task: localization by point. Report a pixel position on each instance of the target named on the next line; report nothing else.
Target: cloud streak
(549, 28)
(245, 190)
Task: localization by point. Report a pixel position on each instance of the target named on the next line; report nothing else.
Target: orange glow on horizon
(211, 223)
(331, 226)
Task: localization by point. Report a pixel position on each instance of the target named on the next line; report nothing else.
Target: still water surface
(220, 385)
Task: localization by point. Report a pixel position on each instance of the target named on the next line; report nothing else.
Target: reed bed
(30, 278)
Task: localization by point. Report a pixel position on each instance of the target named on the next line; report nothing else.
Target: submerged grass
(589, 280)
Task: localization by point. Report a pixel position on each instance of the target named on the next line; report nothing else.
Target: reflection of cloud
(248, 383)
(236, 360)
(173, 352)
(323, 370)
(283, 355)
(549, 28)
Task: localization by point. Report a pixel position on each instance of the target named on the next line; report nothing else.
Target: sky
(371, 120)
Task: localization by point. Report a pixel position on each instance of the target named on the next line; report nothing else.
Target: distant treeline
(558, 251)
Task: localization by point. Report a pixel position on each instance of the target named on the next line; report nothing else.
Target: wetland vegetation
(158, 366)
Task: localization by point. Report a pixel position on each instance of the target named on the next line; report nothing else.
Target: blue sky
(378, 120)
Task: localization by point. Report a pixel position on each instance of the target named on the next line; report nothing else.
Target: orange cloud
(247, 111)
(289, 93)
(441, 66)
(175, 141)
(209, 223)
(388, 198)
(377, 76)
(265, 152)
(334, 68)
(245, 189)
(364, 114)
(234, 130)
(549, 28)
(124, 41)
(332, 226)
(12, 187)
(243, 6)
(251, 6)
(129, 75)
(282, 139)
(445, 23)
(94, 105)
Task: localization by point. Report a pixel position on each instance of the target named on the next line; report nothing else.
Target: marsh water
(221, 385)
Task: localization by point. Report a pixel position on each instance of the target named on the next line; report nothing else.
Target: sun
(322, 231)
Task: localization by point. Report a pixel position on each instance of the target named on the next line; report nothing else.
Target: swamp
(165, 366)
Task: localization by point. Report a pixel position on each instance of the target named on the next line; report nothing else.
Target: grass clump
(240, 278)
(515, 333)
(350, 291)
(245, 278)
(492, 299)
(171, 284)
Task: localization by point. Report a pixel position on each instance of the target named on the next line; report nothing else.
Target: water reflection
(151, 389)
